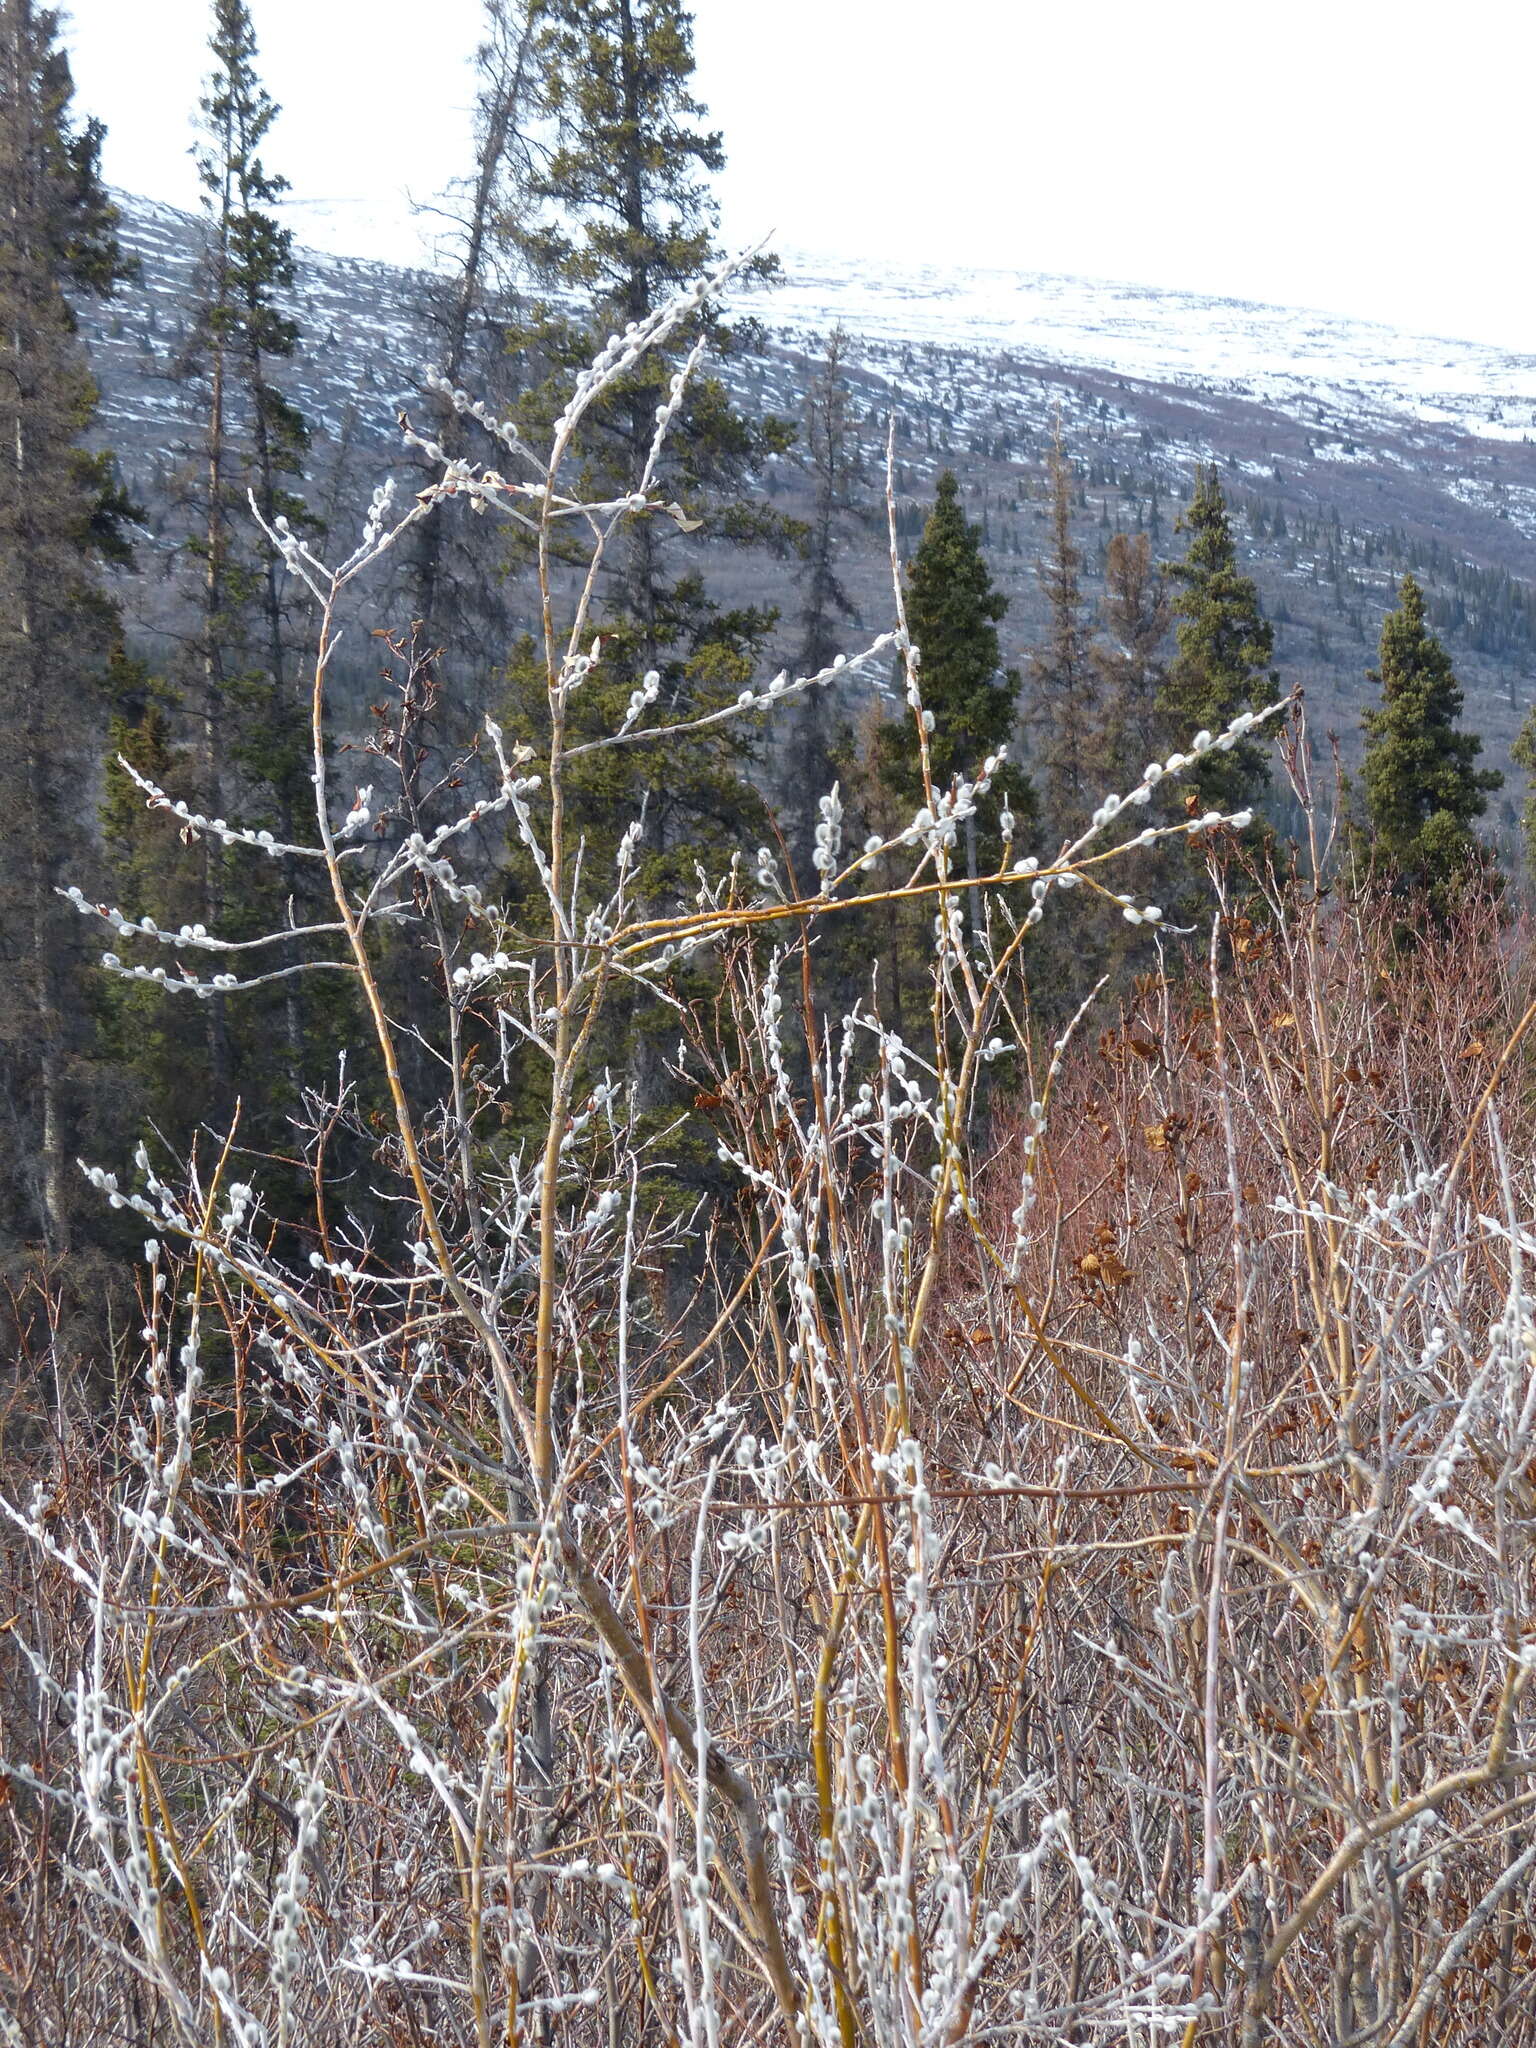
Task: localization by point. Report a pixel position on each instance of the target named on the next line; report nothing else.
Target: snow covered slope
(1284, 357)
(1351, 451)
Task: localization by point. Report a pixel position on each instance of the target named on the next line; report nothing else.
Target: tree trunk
(213, 655)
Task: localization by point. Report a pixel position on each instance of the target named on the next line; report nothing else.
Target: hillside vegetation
(700, 1352)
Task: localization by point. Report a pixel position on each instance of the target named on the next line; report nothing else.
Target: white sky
(1362, 156)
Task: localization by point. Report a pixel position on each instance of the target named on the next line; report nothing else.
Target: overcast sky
(1362, 156)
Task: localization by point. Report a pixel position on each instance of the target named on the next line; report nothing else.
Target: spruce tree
(621, 219)
(953, 612)
(254, 441)
(1064, 682)
(257, 437)
(1421, 788)
(61, 516)
(622, 216)
(1225, 645)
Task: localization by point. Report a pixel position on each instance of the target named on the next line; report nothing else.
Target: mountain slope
(1351, 451)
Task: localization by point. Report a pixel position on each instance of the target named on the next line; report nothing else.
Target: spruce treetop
(59, 210)
(953, 612)
(620, 214)
(1225, 646)
(620, 219)
(628, 167)
(1422, 789)
(253, 254)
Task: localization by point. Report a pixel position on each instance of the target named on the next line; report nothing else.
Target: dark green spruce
(1422, 788)
(62, 516)
(953, 612)
(1225, 647)
(622, 217)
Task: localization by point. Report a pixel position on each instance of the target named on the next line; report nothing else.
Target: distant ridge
(1350, 450)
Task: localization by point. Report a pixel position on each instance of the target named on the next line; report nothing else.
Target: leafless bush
(1059, 1579)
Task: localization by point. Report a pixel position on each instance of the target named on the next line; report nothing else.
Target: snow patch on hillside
(1303, 363)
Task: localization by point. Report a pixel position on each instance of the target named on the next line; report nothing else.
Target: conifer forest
(769, 1144)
